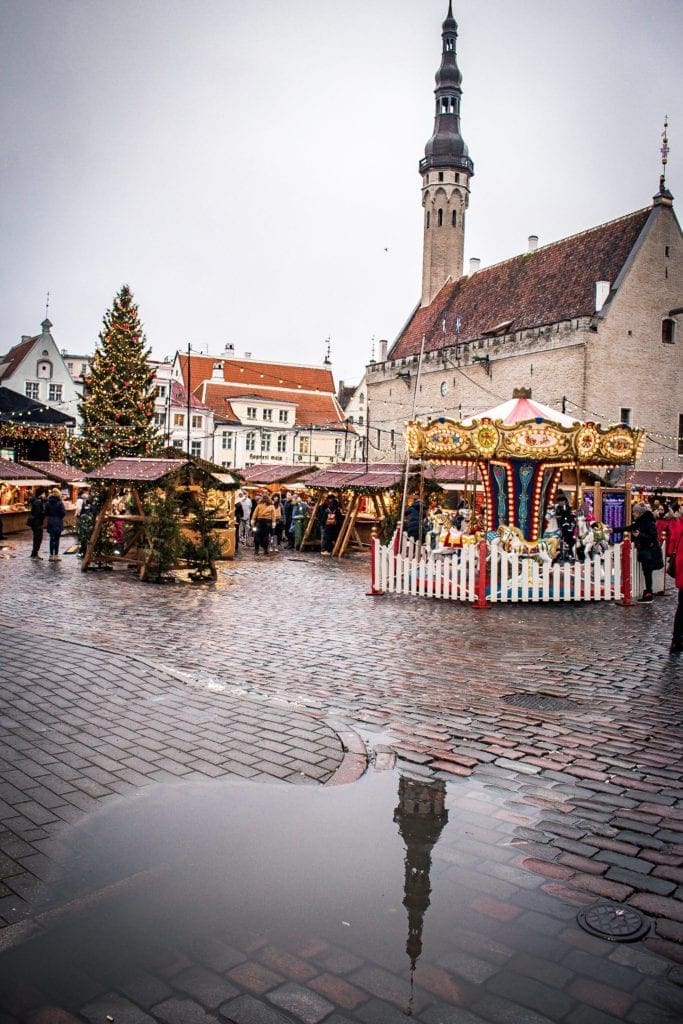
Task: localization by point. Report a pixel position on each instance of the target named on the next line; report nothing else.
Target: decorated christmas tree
(117, 409)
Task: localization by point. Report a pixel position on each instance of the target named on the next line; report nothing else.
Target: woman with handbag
(646, 541)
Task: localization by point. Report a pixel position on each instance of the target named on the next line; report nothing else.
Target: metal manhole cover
(614, 922)
(540, 702)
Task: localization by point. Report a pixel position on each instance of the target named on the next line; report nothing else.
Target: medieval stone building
(593, 324)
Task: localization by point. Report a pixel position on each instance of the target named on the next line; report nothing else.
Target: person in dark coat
(330, 518)
(415, 519)
(646, 541)
(54, 512)
(36, 519)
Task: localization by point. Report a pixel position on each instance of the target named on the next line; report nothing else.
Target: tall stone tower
(446, 171)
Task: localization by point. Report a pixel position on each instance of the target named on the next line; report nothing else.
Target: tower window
(440, 175)
(666, 250)
(450, 43)
(457, 179)
(680, 435)
(625, 417)
(428, 218)
(439, 218)
(454, 218)
(668, 331)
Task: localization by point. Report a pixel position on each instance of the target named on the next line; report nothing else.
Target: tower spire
(446, 170)
(664, 196)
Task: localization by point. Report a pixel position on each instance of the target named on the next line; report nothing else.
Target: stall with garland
(520, 451)
(16, 485)
(31, 430)
(122, 506)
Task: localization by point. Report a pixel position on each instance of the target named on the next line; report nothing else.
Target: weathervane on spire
(664, 151)
(47, 304)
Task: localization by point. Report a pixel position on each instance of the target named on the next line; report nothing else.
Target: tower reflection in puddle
(420, 815)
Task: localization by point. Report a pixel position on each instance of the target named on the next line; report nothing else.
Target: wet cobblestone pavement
(555, 734)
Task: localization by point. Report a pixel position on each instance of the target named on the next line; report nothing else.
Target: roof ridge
(559, 241)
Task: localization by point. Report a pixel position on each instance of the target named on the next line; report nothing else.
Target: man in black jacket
(36, 518)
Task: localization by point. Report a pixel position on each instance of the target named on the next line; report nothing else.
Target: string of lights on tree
(117, 410)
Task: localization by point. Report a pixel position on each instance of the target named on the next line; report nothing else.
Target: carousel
(521, 451)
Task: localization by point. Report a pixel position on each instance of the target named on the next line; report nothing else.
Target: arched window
(454, 218)
(439, 218)
(668, 330)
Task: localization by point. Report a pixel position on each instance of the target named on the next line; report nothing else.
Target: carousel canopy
(522, 429)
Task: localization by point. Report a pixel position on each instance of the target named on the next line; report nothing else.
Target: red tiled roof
(13, 358)
(251, 372)
(555, 283)
(179, 396)
(317, 410)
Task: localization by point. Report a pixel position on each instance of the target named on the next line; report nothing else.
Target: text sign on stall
(614, 514)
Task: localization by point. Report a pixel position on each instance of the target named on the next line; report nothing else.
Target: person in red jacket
(676, 549)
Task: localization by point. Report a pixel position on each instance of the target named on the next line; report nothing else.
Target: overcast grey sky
(244, 165)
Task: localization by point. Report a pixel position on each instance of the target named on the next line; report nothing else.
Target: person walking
(330, 518)
(36, 519)
(278, 522)
(646, 542)
(55, 512)
(300, 512)
(262, 519)
(415, 519)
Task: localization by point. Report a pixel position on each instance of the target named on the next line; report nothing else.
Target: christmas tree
(117, 409)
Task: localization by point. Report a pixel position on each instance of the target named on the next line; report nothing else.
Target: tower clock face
(444, 388)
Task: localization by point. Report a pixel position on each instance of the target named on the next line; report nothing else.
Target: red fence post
(374, 548)
(626, 572)
(480, 581)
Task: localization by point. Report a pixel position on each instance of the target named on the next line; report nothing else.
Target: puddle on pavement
(377, 875)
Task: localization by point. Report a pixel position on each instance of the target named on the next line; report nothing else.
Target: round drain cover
(614, 922)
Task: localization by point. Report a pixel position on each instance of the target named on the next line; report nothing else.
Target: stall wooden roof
(136, 470)
(21, 476)
(275, 474)
(58, 471)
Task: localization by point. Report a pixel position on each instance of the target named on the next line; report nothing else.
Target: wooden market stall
(16, 484)
(369, 495)
(69, 478)
(131, 478)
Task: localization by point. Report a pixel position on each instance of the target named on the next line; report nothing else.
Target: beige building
(593, 324)
(267, 412)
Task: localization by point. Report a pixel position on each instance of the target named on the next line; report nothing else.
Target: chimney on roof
(475, 263)
(383, 350)
(247, 355)
(26, 337)
(228, 350)
(217, 371)
(533, 243)
(601, 292)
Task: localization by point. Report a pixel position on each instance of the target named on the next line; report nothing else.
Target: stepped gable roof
(15, 356)
(552, 284)
(317, 410)
(248, 372)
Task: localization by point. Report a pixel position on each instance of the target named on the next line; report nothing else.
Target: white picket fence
(482, 575)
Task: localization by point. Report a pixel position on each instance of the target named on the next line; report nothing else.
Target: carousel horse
(552, 535)
(597, 542)
(511, 540)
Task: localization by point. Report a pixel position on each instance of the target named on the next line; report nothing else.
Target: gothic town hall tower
(446, 171)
